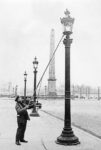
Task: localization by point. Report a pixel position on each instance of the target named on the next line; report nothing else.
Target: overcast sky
(25, 27)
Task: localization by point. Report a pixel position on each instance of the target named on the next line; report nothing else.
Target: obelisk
(52, 79)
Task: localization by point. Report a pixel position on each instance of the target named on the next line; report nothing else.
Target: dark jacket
(22, 112)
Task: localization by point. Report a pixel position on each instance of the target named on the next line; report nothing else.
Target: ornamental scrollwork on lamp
(67, 21)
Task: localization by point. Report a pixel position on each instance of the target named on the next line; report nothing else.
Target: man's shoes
(24, 141)
(17, 143)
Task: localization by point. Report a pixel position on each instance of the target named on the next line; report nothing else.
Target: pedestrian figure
(22, 117)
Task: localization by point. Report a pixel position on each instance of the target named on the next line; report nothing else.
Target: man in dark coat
(22, 117)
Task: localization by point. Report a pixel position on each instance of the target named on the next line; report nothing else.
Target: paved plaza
(85, 114)
(43, 131)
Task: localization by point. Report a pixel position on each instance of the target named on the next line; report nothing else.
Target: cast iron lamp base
(67, 138)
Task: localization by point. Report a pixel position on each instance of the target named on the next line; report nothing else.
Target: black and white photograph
(50, 74)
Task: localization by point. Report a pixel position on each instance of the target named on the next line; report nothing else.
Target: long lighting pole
(67, 136)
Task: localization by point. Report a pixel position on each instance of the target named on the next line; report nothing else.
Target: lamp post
(13, 91)
(34, 111)
(45, 92)
(80, 92)
(25, 80)
(16, 90)
(98, 93)
(88, 92)
(67, 136)
(73, 92)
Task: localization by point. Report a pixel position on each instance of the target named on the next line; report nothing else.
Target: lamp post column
(16, 88)
(67, 136)
(25, 80)
(25, 90)
(45, 92)
(98, 93)
(67, 43)
(34, 112)
(34, 94)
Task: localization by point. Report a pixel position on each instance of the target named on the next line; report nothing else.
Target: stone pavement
(41, 132)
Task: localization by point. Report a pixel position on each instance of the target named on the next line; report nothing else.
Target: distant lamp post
(45, 92)
(80, 92)
(73, 92)
(67, 136)
(16, 90)
(13, 91)
(25, 80)
(98, 93)
(34, 111)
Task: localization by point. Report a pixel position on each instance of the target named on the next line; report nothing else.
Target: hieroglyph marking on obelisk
(52, 79)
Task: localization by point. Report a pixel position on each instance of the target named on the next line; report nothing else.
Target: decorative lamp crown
(25, 75)
(67, 21)
(35, 63)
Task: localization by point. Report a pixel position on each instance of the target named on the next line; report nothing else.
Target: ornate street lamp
(34, 111)
(67, 136)
(25, 80)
